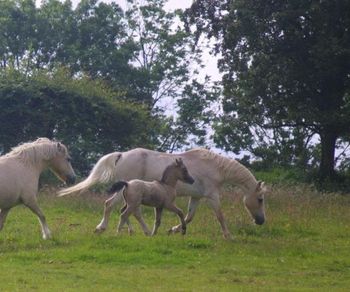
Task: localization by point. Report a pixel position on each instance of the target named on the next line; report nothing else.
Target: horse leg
(158, 215)
(33, 206)
(130, 229)
(124, 217)
(3, 215)
(138, 216)
(192, 207)
(109, 204)
(172, 207)
(214, 202)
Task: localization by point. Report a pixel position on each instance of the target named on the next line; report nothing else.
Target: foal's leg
(192, 207)
(109, 204)
(214, 202)
(178, 212)
(124, 217)
(130, 229)
(138, 216)
(158, 215)
(3, 215)
(33, 206)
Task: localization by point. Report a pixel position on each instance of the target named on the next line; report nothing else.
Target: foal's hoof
(174, 229)
(99, 230)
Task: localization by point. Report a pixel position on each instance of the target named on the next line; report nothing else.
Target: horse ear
(59, 147)
(178, 161)
(260, 186)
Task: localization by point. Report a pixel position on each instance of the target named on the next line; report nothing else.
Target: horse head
(183, 174)
(254, 203)
(60, 164)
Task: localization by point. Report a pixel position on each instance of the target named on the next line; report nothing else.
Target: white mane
(32, 152)
(229, 168)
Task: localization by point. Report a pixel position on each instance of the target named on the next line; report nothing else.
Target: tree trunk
(328, 139)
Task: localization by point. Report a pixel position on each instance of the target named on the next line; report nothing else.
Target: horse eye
(260, 200)
(69, 159)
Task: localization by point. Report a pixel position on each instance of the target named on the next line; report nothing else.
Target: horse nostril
(259, 220)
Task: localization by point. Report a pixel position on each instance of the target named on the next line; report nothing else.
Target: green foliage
(286, 67)
(143, 54)
(303, 246)
(86, 115)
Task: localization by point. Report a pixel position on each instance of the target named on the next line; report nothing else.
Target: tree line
(99, 78)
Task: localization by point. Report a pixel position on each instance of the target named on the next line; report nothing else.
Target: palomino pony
(158, 194)
(19, 175)
(209, 170)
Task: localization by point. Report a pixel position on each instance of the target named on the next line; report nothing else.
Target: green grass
(304, 245)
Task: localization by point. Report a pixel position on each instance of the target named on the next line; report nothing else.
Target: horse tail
(116, 187)
(103, 172)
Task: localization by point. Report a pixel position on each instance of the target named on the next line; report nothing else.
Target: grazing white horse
(209, 170)
(19, 175)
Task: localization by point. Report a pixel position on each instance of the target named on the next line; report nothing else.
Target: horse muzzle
(70, 179)
(190, 180)
(259, 220)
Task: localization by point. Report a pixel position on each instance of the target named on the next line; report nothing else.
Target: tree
(286, 66)
(86, 115)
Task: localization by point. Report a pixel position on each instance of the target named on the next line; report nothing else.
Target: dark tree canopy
(286, 66)
(96, 76)
(84, 114)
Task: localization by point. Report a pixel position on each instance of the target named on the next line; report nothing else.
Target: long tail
(104, 171)
(117, 187)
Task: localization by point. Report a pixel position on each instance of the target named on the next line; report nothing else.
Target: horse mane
(229, 168)
(31, 152)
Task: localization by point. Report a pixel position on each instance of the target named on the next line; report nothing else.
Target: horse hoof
(228, 236)
(46, 236)
(99, 230)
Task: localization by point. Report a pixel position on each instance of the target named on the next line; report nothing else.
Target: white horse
(19, 175)
(209, 170)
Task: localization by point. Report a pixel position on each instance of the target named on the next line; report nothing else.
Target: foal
(158, 194)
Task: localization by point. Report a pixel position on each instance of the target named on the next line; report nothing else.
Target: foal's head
(255, 203)
(176, 171)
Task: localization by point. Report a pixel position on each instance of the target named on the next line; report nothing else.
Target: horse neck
(240, 175)
(36, 164)
(169, 178)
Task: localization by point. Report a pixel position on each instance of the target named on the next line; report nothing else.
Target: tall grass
(303, 245)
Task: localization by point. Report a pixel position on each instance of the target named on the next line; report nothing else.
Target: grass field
(304, 245)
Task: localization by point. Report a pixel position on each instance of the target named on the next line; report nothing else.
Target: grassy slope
(304, 245)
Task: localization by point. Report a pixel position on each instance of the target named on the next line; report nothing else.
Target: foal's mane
(166, 172)
(229, 168)
(31, 152)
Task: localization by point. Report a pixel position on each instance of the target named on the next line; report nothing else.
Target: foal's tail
(116, 187)
(103, 172)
